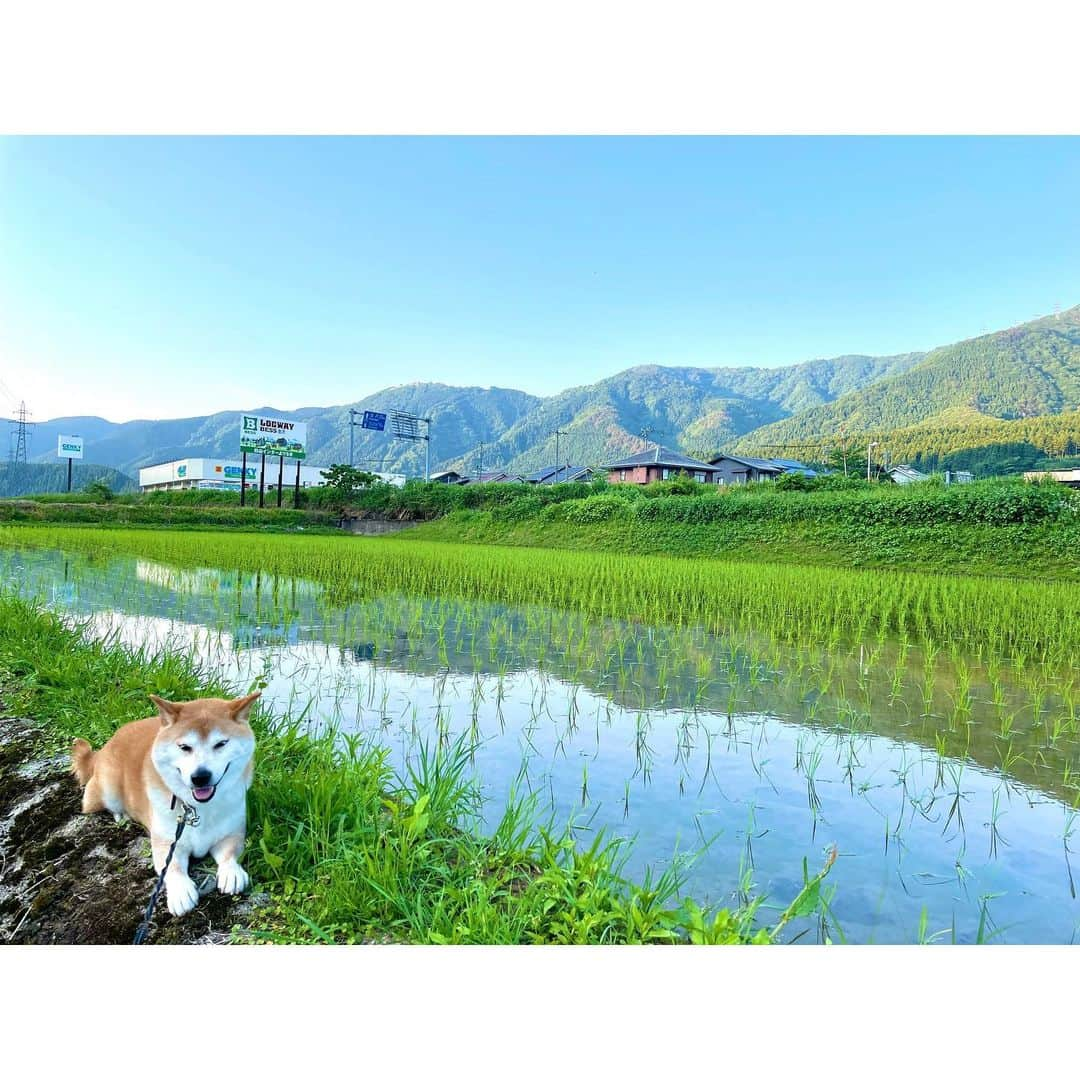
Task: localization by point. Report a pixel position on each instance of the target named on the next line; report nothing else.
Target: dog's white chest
(217, 819)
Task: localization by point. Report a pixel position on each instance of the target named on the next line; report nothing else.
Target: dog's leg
(92, 801)
(181, 892)
(231, 876)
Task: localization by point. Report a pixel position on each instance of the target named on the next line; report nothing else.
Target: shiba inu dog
(195, 753)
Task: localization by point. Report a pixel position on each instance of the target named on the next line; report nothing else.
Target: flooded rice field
(944, 776)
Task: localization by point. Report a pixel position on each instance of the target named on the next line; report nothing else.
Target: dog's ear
(167, 710)
(241, 706)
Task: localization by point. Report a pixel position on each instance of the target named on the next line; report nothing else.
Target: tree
(99, 491)
(844, 460)
(346, 482)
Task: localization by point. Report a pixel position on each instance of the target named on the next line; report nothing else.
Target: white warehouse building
(223, 475)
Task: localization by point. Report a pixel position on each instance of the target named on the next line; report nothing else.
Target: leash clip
(188, 816)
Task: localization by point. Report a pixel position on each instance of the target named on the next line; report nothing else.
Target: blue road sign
(376, 421)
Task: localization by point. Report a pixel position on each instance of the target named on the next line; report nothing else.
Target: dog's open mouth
(203, 794)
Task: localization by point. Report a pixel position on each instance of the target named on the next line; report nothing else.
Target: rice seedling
(935, 669)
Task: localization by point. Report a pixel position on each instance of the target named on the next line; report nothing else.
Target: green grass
(351, 852)
(992, 618)
(143, 513)
(1039, 551)
(991, 528)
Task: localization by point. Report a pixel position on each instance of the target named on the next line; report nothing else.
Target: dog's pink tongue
(202, 793)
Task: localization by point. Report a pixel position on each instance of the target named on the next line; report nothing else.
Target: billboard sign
(69, 446)
(271, 435)
(376, 421)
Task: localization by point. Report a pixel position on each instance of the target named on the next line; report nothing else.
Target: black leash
(188, 816)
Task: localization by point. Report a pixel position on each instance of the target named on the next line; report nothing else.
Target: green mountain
(952, 397)
(696, 409)
(461, 417)
(1001, 401)
(38, 479)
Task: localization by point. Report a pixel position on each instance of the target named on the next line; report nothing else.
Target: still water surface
(755, 756)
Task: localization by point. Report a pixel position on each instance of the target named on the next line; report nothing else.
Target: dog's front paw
(232, 877)
(182, 894)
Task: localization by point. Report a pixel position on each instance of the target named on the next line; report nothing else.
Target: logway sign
(272, 435)
(69, 446)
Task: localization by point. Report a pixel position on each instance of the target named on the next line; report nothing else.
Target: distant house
(1068, 477)
(566, 474)
(742, 470)
(447, 477)
(959, 476)
(905, 474)
(659, 463)
(497, 477)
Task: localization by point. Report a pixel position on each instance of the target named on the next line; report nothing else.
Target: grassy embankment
(348, 850)
(134, 511)
(989, 528)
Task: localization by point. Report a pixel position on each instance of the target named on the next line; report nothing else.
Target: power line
(7, 393)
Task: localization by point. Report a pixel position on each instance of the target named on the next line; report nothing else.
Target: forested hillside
(40, 479)
(996, 403)
(1018, 386)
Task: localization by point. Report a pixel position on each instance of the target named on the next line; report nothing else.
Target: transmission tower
(20, 435)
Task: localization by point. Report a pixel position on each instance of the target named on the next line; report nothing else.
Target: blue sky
(171, 277)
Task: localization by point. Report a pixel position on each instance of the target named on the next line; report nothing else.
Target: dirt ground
(76, 879)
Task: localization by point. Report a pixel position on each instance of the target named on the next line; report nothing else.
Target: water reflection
(946, 785)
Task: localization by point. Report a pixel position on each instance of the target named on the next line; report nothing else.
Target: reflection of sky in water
(762, 783)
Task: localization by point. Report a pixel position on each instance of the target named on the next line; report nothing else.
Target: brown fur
(122, 776)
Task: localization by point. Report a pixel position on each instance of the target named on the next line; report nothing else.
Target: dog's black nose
(200, 777)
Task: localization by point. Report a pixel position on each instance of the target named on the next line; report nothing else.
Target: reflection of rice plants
(657, 658)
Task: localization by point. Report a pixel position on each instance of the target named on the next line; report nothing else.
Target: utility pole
(868, 449)
(480, 462)
(557, 434)
(20, 435)
(645, 433)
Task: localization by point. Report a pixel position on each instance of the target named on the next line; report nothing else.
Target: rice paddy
(754, 716)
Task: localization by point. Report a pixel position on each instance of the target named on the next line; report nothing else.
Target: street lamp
(868, 449)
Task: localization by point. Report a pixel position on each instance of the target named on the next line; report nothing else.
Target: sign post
(280, 475)
(373, 421)
(70, 447)
(405, 427)
(264, 435)
(243, 477)
(296, 490)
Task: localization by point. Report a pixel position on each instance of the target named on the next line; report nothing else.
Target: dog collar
(189, 815)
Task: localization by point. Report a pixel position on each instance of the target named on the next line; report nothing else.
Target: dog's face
(202, 744)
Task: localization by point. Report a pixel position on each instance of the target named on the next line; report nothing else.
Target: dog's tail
(82, 760)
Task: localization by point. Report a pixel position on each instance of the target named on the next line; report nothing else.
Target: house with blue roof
(732, 469)
(564, 474)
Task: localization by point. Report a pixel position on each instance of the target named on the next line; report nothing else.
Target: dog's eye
(219, 745)
(184, 747)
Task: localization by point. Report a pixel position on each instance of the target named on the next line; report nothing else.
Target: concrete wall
(368, 527)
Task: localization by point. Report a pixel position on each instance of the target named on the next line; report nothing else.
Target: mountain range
(1015, 388)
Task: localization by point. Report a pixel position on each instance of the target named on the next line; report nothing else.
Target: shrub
(596, 509)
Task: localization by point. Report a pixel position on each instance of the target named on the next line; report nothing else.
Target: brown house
(659, 463)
